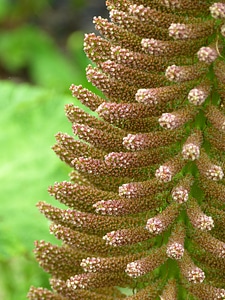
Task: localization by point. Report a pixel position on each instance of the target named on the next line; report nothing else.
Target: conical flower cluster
(146, 199)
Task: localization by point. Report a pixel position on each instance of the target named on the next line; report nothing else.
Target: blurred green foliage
(31, 116)
(28, 47)
(31, 113)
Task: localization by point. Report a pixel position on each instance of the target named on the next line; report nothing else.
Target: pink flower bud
(163, 173)
(207, 54)
(168, 121)
(190, 151)
(134, 269)
(178, 31)
(196, 275)
(197, 96)
(175, 251)
(89, 264)
(154, 225)
(222, 30)
(173, 73)
(180, 194)
(217, 10)
(215, 173)
(204, 222)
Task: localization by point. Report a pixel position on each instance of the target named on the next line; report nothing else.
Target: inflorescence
(146, 196)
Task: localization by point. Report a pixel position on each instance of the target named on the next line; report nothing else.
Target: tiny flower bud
(168, 121)
(208, 169)
(220, 294)
(197, 96)
(189, 270)
(184, 73)
(196, 275)
(147, 96)
(89, 264)
(215, 173)
(217, 10)
(128, 236)
(180, 194)
(162, 221)
(112, 238)
(154, 225)
(175, 245)
(147, 264)
(163, 173)
(134, 269)
(205, 222)
(198, 219)
(178, 31)
(171, 3)
(99, 207)
(223, 126)
(153, 46)
(190, 151)
(173, 73)
(222, 30)
(207, 54)
(175, 251)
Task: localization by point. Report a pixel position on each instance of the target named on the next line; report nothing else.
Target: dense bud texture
(146, 197)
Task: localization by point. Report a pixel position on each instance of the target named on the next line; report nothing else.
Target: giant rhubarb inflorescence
(146, 216)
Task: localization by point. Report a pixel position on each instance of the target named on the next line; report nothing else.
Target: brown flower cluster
(146, 199)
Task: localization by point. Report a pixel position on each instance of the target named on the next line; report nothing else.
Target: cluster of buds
(217, 10)
(166, 171)
(198, 95)
(191, 148)
(208, 169)
(205, 291)
(146, 194)
(175, 119)
(178, 31)
(175, 246)
(180, 193)
(160, 222)
(145, 265)
(190, 271)
(198, 219)
(207, 54)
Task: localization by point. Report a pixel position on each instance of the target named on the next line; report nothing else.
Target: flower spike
(146, 196)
